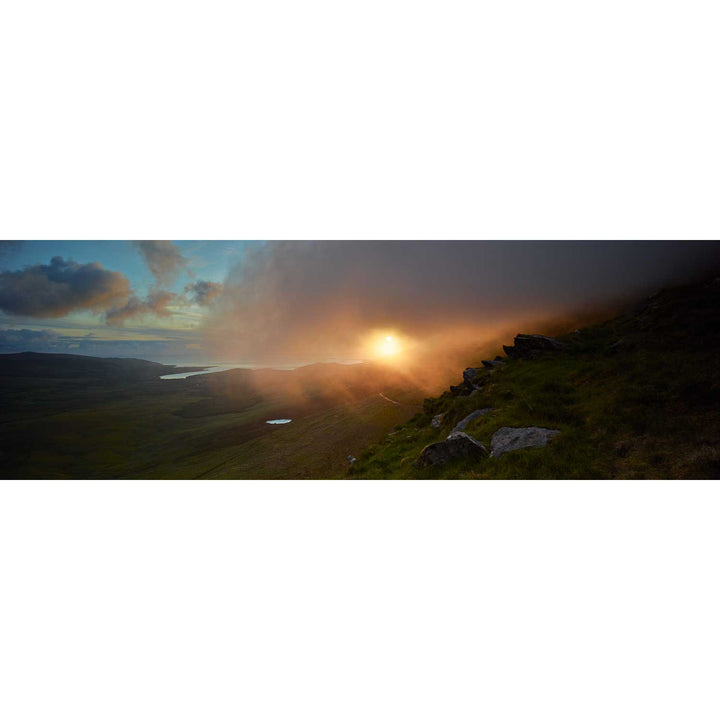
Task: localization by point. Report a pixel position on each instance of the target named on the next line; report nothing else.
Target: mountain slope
(59, 365)
(635, 397)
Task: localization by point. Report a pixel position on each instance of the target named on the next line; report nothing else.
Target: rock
(622, 345)
(351, 459)
(472, 416)
(532, 346)
(457, 389)
(458, 446)
(471, 376)
(492, 363)
(437, 421)
(507, 439)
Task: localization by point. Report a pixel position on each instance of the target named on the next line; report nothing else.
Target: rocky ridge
(458, 443)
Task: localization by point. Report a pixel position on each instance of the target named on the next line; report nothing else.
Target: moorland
(69, 416)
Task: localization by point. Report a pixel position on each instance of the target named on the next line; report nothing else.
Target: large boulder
(467, 420)
(532, 346)
(507, 439)
(458, 446)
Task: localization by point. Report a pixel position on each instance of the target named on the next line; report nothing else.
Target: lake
(221, 367)
(206, 371)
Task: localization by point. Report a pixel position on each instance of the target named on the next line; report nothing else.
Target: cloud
(157, 302)
(163, 258)
(315, 299)
(203, 292)
(62, 287)
(65, 286)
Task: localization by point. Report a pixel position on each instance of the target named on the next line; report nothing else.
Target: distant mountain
(59, 365)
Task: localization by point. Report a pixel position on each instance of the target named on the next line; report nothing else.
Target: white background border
(359, 120)
(374, 119)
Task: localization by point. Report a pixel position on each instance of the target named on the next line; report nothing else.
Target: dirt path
(395, 402)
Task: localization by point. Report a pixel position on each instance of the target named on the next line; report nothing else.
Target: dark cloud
(203, 292)
(302, 298)
(60, 288)
(163, 258)
(156, 303)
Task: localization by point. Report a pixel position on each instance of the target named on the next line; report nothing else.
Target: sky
(192, 302)
(150, 308)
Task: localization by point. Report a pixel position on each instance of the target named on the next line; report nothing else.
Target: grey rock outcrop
(532, 346)
(507, 439)
(437, 421)
(458, 446)
(467, 420)
(492, 363)
(471, 377)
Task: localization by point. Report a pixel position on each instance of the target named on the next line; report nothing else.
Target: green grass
(649, 408)
(171, 429)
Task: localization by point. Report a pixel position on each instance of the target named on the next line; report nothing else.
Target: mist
(320, 300)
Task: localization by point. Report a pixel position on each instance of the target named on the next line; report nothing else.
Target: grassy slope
(648, 407)
(202, 427)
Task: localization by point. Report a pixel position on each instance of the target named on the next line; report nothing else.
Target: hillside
(59, 365)
(67, 416)
(635, 397)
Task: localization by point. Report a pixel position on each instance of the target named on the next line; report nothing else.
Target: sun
(387, 347)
